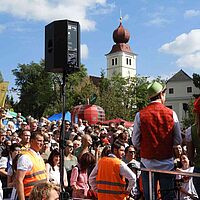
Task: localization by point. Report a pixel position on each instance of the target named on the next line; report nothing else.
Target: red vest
(156, 129)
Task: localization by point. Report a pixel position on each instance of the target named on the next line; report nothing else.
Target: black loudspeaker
(62, 46)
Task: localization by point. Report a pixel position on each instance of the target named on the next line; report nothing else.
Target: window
(129, 61)
(113, 61)
(171, 90)
(185, 107)
(189, 89)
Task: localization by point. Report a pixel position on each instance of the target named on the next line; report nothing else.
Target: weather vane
(120, 19)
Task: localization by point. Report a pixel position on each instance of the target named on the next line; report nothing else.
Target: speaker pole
(63, 195)
(62, 55)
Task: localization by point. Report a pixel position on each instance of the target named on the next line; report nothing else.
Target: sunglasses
(131, 151)
(70, 146)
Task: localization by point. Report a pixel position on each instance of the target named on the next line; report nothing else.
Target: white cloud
(50, 10)
(2, 28)
(101, 9)
(160, 17)
(183, 44)
(84, 51)
(191, 13)
(158, 21)
(187, 47)
(190, 60)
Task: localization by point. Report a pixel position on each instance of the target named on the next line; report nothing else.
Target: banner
(3, 91)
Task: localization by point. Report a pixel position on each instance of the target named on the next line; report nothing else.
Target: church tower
(121, 60)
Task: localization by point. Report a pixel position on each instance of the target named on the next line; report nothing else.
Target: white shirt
(188, 185)
(1, 191)
(24, 163)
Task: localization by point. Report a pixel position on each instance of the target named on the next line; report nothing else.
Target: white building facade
(180, 90)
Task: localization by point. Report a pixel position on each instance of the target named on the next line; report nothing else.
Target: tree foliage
(196, 81)
(121, 97)
(1, 77)
(35, 87)
(40, 92)
(189, 120)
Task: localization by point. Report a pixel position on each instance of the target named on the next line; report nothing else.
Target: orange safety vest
(110, 184)
(37, 173)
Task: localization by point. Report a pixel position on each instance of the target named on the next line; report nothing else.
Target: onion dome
(121, 35)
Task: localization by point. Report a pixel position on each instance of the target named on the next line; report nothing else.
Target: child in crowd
(187, 189)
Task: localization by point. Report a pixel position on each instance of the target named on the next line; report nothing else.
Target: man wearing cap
(156, 130)
(23, 126)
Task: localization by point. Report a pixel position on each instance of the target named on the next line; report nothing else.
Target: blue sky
(165, 34)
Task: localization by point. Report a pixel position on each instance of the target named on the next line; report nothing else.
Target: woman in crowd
(69, 160)
(15, 138)
(79, 176)
(187, 189)
(14, 151)
(6, 161)
(53, 168)
(178, 151)
(192, 138)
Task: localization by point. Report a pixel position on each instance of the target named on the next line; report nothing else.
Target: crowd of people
(101, 162)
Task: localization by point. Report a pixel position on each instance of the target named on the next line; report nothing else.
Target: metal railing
(152, 171)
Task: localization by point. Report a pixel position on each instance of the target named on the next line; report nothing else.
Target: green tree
(196, 81)
(189, 120)
(122, 97)
(1, 77)
(35, 87)
(74, 88)
(9, 102)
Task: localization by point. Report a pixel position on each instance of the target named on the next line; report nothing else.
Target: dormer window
(189, 89)
(171, 90)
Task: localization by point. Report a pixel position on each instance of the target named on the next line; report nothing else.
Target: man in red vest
(156, 130)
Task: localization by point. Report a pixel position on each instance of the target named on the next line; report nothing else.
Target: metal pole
(63, 195)
(150, 186)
